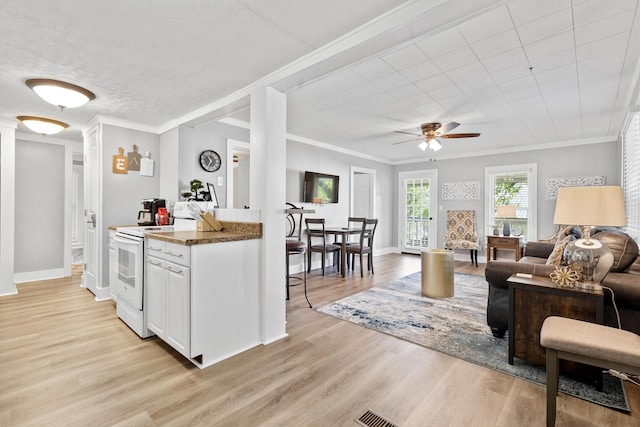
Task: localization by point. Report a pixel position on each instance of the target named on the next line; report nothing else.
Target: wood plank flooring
(67, 360)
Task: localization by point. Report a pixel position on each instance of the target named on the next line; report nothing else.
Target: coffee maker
(147, 216)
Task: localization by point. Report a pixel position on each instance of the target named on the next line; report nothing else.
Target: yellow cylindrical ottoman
(437, 273)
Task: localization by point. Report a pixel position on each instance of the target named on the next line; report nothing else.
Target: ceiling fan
(431, 132)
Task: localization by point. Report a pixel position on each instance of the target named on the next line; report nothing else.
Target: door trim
(432, 174)
(233, 144)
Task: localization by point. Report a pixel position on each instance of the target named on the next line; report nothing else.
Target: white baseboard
(32, 276)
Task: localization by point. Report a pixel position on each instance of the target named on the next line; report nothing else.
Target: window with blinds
(631, 173)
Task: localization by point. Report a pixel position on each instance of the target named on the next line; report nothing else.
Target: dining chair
(317, 242)
(295, 246)
(364, 246)
(461, 232)
(354, 222)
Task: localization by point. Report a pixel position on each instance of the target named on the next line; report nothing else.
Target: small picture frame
(212, 195)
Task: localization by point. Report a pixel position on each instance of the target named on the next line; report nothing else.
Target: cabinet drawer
(497, 241)
(154, 247)
(180, 254)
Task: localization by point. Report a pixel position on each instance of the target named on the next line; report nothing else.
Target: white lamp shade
(423, 145)
(593, 206)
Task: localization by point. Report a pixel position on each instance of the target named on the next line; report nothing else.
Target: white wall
(42, 247)
(303, 157)
(169, 153)
(122, 193)
(211, 136)
(40, 189)
(581, 160)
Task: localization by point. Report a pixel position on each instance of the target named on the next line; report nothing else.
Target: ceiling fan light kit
(43, 125)
(435, 145)
(432, 131)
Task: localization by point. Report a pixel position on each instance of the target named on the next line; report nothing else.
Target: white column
(7, 203)
(268, 192)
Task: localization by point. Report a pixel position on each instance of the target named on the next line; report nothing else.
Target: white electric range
(128, 288)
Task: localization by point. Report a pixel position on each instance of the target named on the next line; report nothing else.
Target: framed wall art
(572, 181)
(467, 190)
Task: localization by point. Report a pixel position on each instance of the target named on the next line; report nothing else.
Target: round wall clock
(210, 160)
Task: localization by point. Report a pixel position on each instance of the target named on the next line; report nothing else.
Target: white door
(418, 209)
(363, 183)
(90, 269)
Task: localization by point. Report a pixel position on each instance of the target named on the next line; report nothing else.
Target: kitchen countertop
(231, 232)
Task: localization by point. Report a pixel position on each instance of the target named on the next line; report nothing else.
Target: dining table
(344, 232)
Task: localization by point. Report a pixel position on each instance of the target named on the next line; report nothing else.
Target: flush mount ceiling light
(61, 94)
(43, 125)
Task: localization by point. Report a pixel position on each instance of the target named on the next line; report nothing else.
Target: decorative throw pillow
(561, 233)
(556, 257)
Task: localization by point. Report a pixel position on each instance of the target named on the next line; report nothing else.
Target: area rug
(455, 326)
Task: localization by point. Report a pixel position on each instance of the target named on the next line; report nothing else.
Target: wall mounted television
(320, 188)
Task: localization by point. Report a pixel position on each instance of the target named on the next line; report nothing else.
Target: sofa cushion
(556, 257)
(623, 247)
(634, 267)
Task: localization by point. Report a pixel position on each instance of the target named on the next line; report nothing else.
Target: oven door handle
(124, 241)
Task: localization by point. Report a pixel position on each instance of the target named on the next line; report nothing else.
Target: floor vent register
(371, 419)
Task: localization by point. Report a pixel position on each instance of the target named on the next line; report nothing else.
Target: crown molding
(112, 121)
(11, 124)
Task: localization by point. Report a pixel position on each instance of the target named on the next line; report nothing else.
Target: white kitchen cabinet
(202, 299)
(167, 295)
(155, 295)
(178, 307)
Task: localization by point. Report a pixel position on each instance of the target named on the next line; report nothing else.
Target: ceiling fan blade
(459, 135)
(407, 133)
(408, 140)
(448, 127)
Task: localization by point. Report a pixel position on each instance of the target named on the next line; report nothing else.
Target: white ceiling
(523, 73)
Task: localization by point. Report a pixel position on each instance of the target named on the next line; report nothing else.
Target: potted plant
(195, 185)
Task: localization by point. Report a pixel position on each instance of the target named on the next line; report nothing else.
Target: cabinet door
(178, 328)
(155, 295)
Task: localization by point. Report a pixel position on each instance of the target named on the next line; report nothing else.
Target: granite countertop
(231, 232)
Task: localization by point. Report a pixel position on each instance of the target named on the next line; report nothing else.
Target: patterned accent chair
(461, 233)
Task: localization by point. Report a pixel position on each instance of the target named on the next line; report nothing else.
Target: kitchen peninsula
(202, 290)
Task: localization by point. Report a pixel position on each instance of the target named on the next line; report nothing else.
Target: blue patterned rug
(455, 326)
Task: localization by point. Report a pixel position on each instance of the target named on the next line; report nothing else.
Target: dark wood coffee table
(531, 300)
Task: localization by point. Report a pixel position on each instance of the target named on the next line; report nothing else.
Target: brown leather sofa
(623, 278)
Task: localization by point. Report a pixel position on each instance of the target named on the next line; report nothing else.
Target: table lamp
(588, 207)
(506, 212)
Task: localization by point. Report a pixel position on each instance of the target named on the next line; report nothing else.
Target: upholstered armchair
(462, 233)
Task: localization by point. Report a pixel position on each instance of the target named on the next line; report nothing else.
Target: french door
(418, 224)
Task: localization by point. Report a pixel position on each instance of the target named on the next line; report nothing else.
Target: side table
(533, 299)
(503, 242)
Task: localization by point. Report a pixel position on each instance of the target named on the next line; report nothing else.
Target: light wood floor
(66, 360)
